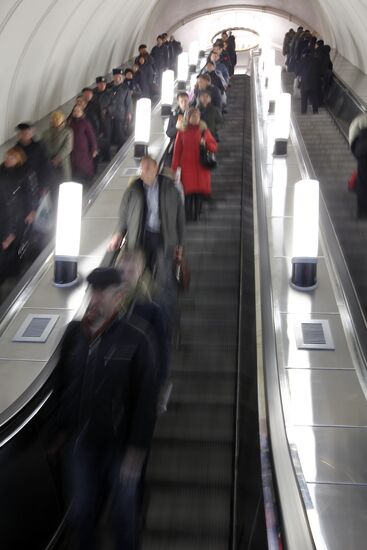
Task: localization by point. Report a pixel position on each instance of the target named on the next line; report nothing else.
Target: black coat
(39, 163)
(160, 57)
(120, 101)
(107, 390)
(171, 128)
(145, 79)
(18, 197)
(93, 113)
(309, 71)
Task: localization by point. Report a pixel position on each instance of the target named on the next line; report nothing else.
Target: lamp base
(181, 85)
(280, 148)
(140, 150)
(166, 110)
(192, 68)
(304, 274)
(271, 109)
(65, 273)
(201, 54)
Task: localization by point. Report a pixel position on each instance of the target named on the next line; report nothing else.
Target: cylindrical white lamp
(305, 235)
(274, 87)
(193, 55)
(168, 85)
(69, 213)
(142, 127)
(282, 124)
(182, 70)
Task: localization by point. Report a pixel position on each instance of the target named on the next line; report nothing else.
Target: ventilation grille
(129, 172)
(314, 334)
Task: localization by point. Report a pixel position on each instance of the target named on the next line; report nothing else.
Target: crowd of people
(309, 59)
(113, 375)
(70, 149)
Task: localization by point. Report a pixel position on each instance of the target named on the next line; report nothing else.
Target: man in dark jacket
(204, 84)
(209, 114)
(159, 54)
(175, 122)
(120, 108)
(146, 77)
(309, 71)
(107, 392)
(37, 159)
(152, 218)
(103, 97)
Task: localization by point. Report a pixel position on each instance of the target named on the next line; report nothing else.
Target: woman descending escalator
(196, 178)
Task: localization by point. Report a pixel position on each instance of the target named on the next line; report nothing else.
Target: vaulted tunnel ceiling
(52, 48)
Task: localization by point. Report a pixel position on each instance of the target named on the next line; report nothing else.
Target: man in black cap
(120, 108)
(103, 98)
(107, 395)
(37, 159)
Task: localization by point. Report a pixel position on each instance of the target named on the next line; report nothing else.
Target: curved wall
(50, 49)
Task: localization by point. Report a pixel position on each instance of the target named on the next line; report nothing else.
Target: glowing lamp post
(193, 55)
(69, 213)
(282, 124)
(168, 85)
(142, 127)
(182, 70)
(274, 87)
(305, 235)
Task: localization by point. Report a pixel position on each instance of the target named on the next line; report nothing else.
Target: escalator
(190, 475)
(333, 164)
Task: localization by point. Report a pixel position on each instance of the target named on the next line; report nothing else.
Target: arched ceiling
(52, 48)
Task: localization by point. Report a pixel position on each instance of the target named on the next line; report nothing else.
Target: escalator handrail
(296, 528)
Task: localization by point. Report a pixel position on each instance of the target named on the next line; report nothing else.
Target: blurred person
(143, 50)
(59, 140)
(92, 110)
(18, 205)
(85, 147)
(195, 178)
(286, 44)
(152, 219)
(139, 301)
(220, 67)
(36, 155)
(176, 119)
(120, 108)
(210, 114)
(358, 145)
(106, 389)
(176, 49)
(309, 72)
(103, 98)
(159, 55)
(146, 78)
(133, 84)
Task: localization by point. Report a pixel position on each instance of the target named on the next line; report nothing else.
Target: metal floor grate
(314, 334)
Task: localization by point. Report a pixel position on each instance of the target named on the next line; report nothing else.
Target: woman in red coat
(85, 147)
(196, 179)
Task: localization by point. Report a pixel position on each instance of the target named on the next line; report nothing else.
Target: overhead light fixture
(182, 70)
(68, 224)
(282, 124)
(142, 127)
(168, 85)
(305, 235)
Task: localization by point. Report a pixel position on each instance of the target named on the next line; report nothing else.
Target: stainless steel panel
(332, 455)
(289, 300)
(106, 205)
(326, 397)
(35, 352)
(46, 294)
(281, 237)
(95, 235)
(16, 376)
(299, 358)
(341, 515)
(120, 182)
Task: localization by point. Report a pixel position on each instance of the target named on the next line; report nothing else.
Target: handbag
(181, 273)
(207, 158)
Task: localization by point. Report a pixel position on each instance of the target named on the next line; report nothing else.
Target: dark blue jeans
(93, 476)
